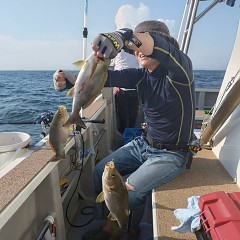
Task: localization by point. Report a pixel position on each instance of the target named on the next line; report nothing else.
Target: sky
(47, 34)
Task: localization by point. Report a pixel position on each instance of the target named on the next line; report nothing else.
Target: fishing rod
(19, 123)
(85, 30)
(101, 121)
(45, 120)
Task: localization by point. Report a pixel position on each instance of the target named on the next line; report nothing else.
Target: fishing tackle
(44, 120)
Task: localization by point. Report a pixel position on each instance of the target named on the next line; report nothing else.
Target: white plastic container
(12, 145)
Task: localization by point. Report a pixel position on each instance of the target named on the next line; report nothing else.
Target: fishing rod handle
(101, 121)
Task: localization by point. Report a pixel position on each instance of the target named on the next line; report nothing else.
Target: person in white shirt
(126, 100)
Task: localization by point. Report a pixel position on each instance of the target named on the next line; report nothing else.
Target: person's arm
(177, 63)
(107, 45)
(63, 80)
(126, 78)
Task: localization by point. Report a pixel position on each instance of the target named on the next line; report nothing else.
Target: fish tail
(75, 119)
(56, 158)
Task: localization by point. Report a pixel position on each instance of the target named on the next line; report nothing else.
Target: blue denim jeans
(148, 168)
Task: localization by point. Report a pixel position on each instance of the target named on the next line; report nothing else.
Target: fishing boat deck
(206, 175)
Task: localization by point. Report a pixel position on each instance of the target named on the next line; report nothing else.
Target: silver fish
(58, 134)
(89, 83)
(115, 195)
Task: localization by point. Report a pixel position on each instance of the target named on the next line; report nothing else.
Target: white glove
(62, 80)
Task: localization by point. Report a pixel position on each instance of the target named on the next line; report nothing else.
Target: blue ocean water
(25, 95)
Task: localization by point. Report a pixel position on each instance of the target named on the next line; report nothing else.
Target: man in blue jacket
(166, 91)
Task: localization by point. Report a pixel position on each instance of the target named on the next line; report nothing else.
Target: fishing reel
(44, 120)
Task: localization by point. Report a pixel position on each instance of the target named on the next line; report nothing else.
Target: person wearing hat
(165, 86)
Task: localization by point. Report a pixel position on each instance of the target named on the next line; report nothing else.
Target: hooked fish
(58, 134)
(115, 195)
(89, 83)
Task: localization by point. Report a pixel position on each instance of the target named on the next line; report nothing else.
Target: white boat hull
(226, 141)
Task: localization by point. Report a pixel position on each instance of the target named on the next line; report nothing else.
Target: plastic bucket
(11, 141)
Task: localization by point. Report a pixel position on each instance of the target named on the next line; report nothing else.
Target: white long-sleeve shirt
(124, 60)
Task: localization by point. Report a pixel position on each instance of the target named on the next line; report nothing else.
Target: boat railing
(206, 98)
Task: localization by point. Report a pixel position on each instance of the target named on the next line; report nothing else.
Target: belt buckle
(154, 144)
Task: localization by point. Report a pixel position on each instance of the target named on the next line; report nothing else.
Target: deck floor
(205, 176)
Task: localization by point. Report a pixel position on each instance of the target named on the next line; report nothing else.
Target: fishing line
(37, 106)
(87, 207)
(25, 99)
(59, 99)
(54, 96)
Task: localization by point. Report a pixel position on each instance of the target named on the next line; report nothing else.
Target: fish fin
(80, 63)
(93, 68)
(111, 217)
(50, 143)
(70, 92)
(56, 158)
(100, 197)
(74, 119)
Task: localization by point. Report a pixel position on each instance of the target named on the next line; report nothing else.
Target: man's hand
(62, 80)
(108, 45)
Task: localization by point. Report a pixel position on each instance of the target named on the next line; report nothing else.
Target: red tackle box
(220, 216)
